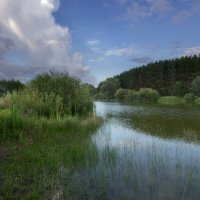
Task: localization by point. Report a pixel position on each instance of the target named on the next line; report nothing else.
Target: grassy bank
(31, 170)
(43, 127)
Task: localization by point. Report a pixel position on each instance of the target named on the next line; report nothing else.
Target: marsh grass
(138, 173)
(38, 136)
(32, 171)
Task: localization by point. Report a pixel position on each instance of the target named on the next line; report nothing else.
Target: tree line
(163, 75)
(172, 77)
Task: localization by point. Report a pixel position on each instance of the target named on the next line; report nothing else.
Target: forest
(174, 81)
(162, 75)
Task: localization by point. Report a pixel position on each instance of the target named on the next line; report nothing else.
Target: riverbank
(163, 100)
(44, 126)
(30, 167)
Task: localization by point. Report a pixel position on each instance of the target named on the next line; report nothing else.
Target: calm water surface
(146, 152)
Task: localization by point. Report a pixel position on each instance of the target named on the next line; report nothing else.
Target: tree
(177, 89)
(162, 75)
(109, 87)
(10, 86)
(91, 88)
(121, 94)
(195, 86)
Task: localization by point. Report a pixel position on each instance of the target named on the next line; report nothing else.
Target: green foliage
(92, 89)
(109, 87)
(189, 98)
(197, 101)
(50, 96)
(75, 96)
(133, 96)
(162, 75)
(34, 103)
(169, 100)
(195, 86)
(10, 86)
(143, 95)
(100, 96)
(177, 89)
(121, 94)
(148, 95)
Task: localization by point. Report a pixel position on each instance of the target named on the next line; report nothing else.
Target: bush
(109, 87)
(31, 102)
(195, 87)
(148, 95)
(75, 96)
(169, 100)
(177, 89)
(121, 94)
(133, 96)
(10, 86)
(189, 98)
(197, 101)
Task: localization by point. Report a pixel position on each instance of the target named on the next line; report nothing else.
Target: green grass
(169, 100)
(31, 171)
(197, 101)
(36, 141)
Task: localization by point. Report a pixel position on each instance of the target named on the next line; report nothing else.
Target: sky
(94, 39)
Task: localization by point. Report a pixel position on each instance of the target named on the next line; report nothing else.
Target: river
(145, 152)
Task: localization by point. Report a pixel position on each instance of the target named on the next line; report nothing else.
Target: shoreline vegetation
(44, 125)
(168, 82)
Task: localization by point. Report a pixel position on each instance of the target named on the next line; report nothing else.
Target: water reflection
(157, 151)
(144, 152)
(143, 122)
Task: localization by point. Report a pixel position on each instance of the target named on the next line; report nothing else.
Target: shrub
(169, 100)
(148, 95)
(189, 98)
(195, 87)
(121, 94)
(133, 96)
(10, 86)
(197, 101)
(75, 96)
(177, 89)
(31, 102)
(109, 87)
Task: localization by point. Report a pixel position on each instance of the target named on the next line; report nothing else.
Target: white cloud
(192, 51)
(97, 59)
(96, 50)
(29, 27)
(128, 51)
(92, 42)
(138, 11)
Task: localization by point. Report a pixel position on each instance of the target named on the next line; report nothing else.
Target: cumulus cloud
(192, 51)
(29, 27)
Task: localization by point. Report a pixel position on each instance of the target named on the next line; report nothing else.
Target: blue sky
(116, 35)
(96, 39)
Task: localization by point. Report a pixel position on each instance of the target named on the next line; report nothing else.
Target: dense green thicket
(10, 86)
(48, 100)
(145, 95)
(166, 76)
(75, 96)
(107, 88)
